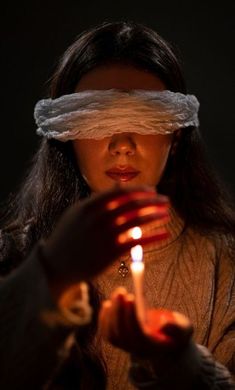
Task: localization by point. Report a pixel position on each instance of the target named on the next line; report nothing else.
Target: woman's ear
(175, 141)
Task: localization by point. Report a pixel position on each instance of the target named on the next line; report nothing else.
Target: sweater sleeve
(217, 356)
(221, 341)
(212, 374)
(29, 346)
(195, 369)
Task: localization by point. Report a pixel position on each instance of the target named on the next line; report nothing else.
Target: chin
(128, 184)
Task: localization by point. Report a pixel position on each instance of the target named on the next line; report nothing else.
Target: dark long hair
(53, 181)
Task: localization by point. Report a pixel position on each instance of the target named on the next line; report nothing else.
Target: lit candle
(137, 270)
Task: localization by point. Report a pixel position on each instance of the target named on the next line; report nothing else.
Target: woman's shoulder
(216, 247)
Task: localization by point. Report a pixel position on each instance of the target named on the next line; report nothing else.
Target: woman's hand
(163, 354)
(91, 234)
(164, 333)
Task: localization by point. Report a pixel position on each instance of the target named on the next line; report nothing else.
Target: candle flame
(136, 233)
(137, 253)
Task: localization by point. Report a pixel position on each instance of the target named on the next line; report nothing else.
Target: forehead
(121, 77)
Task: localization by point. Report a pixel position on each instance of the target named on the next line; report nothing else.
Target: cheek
(165, 151)
(157, 155)
(158, 149)
(89, 156)
(87, 152)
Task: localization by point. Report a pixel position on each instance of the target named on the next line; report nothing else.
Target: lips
(122, 174)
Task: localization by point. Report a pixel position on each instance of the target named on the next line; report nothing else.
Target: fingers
(135, 213)
(165, 331)
(113, 199)
(135, 195)
(170, 328)
(180, 331)
(141, 207)
(108, 217)
(118, 321)
(131, 208)
(140, 221)
(112, 316)
(139, 211)
(121, 210)
(104, 317)
(144, 241)
(119, 206)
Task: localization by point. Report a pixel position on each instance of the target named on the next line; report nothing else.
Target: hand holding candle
(162, 332)
(124, 319)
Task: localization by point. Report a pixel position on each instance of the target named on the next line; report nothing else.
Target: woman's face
(126, 159)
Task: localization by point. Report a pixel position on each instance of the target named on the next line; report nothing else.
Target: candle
(137, 270)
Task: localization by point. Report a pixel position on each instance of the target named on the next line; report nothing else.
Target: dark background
(35, 34)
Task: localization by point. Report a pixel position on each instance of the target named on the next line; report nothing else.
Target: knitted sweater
(188, 273)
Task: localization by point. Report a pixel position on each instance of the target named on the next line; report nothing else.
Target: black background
(35, 34)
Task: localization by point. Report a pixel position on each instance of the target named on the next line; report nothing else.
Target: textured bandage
(96, 114)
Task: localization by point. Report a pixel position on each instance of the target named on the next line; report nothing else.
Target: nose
(122, 144)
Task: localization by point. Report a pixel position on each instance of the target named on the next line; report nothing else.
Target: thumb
(180, 330)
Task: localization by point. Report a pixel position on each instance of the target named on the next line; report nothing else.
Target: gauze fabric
(95, 114)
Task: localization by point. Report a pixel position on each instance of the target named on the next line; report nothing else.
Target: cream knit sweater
(188, 273)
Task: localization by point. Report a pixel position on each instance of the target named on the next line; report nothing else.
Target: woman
(190, 271)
